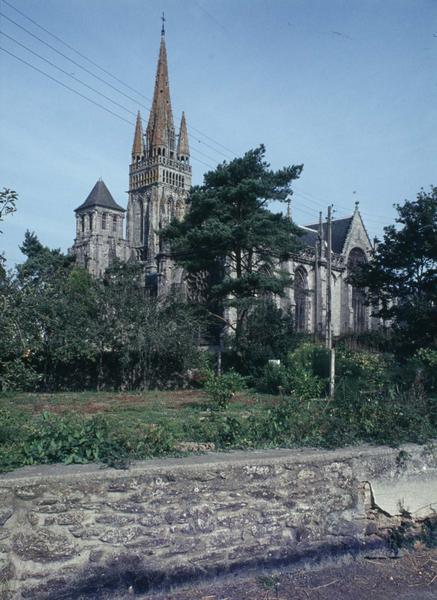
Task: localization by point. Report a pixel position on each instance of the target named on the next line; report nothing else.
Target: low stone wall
(67, 531)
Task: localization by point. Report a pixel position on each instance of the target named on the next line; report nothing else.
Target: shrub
(303, 373)
(17, 375)
(273, 379)
(371, 370)
(424, 363)
(221, 388)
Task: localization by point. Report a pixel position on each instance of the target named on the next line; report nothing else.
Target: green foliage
(73, 438)
(19, 375)
(8, 200)
(303, 373)
(424, 364)
(266, 334)
(221, 388)
(401, 279)
(229, 244)
(364, 369)
(273, 379)
(65, 330)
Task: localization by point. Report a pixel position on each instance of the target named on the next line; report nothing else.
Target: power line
(83, 83)
(68, 58)
(311, 197)
(306, 195)
(73, 49)
(67, 73)
(102, 69)
(64, 85)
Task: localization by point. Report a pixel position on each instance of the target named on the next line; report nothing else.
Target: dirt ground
(410, 577)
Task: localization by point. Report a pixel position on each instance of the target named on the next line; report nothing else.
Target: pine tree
(230, 244)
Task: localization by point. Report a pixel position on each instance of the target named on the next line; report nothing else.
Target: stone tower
(159, 182)
(99, 231)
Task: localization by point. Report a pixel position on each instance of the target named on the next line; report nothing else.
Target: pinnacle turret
(138, 145)
(183, 151)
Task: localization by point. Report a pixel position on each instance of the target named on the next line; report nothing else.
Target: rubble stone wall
(72, 530)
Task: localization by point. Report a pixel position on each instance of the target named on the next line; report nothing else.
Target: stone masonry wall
(74, 530)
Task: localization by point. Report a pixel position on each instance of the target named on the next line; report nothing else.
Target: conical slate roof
(100, 196)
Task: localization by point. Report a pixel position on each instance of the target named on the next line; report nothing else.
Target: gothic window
(300, 299)
(82, 219)
(104, 221)
(90, 221)
(114, 223)
(356, 258)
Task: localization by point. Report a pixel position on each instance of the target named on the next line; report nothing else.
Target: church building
(159, 184)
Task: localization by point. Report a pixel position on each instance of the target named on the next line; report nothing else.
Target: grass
(116, 428)
(159, 407)
(134, 424)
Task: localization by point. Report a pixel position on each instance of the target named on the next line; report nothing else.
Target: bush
(273, 379)
(303, 374)
(267, 334)
(221, 388)
(18, 375)
(424, 363)
(364, 369)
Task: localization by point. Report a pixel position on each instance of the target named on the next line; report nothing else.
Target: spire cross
(163, 19)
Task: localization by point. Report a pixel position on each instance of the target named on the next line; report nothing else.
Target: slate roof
(100, 196)
(340, 229)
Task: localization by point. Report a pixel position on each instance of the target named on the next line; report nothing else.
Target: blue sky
(347, 87)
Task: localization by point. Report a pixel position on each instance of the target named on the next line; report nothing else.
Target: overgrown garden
(90, 368)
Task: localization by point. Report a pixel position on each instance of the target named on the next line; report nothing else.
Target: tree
(401, 279)
(268, 334)
(148, 342)
(230, 244)
(8, 199)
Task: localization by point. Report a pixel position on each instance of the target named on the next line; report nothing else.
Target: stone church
(159, 183)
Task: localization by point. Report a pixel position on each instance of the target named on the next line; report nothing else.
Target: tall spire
(183, 151)
(160, 128)
(138, 145)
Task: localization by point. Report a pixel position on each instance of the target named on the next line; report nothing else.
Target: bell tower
(159, 179)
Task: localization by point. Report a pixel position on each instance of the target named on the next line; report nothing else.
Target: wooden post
(316, 291)
(329, 281)
(332, 374)
(329, 305)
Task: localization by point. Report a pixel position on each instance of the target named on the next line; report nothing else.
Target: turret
(138, 145)
(183, 151)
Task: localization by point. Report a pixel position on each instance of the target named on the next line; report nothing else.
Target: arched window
(82, 219)
(90, 221)
(300, 299)
(104, 221)
(357, 257)
(114, 223)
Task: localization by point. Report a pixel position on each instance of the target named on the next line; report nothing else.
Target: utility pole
(329, 304)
